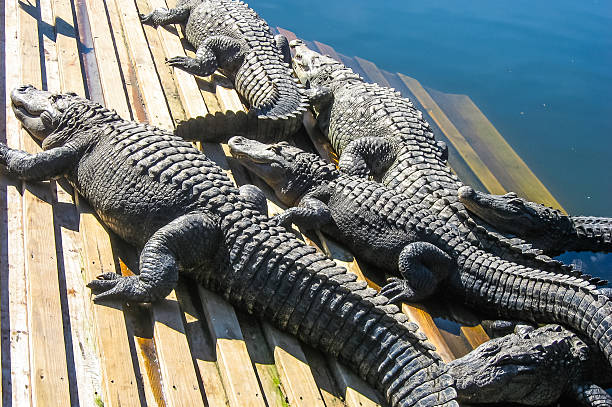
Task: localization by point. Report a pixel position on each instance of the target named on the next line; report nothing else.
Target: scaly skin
(162, 195)
(231, 37)
(549, 228)
(401, 233)
(377, 133)
(532, 367)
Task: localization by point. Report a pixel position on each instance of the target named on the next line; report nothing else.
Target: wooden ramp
(192, 349)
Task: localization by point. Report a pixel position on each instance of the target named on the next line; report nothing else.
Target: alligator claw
(146, 18)
(282, 219)
(120, 288)
(398, 290)
(177, 62)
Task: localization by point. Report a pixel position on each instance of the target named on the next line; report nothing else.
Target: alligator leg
(255, 196)
(367, 156)
(590, 395)
(283, 45)
(189, 240)
(311, 213)
(52, 163)
(163, 16)
(214, 52)
(422, 266)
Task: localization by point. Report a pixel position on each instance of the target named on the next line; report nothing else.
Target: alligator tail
(592, 233)
(520, 292)
(278, 278)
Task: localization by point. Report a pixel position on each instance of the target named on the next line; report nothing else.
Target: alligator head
(512, 213)
(39, 111)
(532, 368)
(310, 67)
(289, 170)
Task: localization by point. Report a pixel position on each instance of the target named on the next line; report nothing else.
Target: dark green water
(540, 71)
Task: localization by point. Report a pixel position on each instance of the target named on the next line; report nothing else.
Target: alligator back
(261, 76)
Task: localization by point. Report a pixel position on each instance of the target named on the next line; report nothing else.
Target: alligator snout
(296, 43)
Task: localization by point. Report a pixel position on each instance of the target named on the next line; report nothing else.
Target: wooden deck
(192, 349)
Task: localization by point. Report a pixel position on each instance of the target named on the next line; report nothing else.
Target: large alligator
(162, 195)
(402, 235)
(231, 37)
(377, 133)
(533, 367)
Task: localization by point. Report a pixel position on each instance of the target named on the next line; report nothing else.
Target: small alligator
(231, 37)
(377, 133)
(162, 195)
(400, 234)
(533, 367)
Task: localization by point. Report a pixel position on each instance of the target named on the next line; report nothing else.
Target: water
(540, 71)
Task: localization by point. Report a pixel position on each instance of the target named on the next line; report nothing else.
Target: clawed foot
(282, 219)
(114, 286)
(148, 18)
(398, 290)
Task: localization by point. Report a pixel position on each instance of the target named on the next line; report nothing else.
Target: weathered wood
(202, 349)
(13, 283)
(327, 50)
(164, 71)
(107, 62)
(140, 56)
(262, 358)
(293, 369)
(49, 371)
(113, 343)
(232, 356)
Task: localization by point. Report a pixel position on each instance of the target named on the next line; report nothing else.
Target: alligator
(548, 227)
(162, 195)
(231, 37)
(533, 367)
(402, 235)
(377, 133)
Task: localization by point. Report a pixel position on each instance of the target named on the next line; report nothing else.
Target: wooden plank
(138, 49)
(262, 358)
(82, 359)
(357, 393)
(455, 137)
(49, 379)
(107, 62)
(233, 360)
(113, 343)
(296, 376)
(373, 72)
(164, 71)
(202, 348)
(327, 50)
(493, 149)
(15, 356)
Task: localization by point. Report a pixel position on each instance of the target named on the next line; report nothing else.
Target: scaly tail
(278, 278)
(519, 292)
